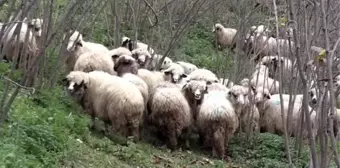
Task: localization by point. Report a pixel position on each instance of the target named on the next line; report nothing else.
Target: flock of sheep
(123, 88)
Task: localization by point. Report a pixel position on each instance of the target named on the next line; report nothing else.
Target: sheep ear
(83, 84)
(130, 46)
(183, 75)
(79, 43)
(185, 86)
(267, 96)
(167, 72)
(208, 83)
(64, 81)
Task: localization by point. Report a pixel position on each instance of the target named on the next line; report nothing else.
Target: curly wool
(203, 74)
(91, 61)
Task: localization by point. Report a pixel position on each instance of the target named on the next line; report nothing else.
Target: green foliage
(264, 150)
(198, 47)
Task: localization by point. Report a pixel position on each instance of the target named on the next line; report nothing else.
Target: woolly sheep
(76, 47)
(32, 29)
(126, 67)
(239, 98)
(170, 113)
(128, 43)
(224, 36)
(194, 91)
(106, 93)
(218, 87)
(91, 61)
(260, 78)
(203, 74)
(262, 46)
(117, 52)
(156, 60)
(188, 67)
(272, 62)
(143, 58)
(176, 72)
(217, 122)
(271, 117)
(245, 82)
(260, 30)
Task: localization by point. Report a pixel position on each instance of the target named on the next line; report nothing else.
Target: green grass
(49, 130)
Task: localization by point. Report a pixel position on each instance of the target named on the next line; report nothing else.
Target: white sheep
(170, 113)
(176, 72)
(117, 52)
(273, 63)
(260, 78)
(143, 58)
(91, 61)
(260, 30)
(127, 68)
(262, 45)
(188, 67)
(247, 113)
(271, 118)
(128, 43)
(156, 58)
(217, 122)
(9, 42)
(76, 47)
(203, 74)
(224, 36)
(111, 98)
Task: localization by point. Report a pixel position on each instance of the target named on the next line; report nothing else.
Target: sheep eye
(114, 56)
(36, 29)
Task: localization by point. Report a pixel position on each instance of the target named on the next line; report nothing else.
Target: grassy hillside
(48, 130)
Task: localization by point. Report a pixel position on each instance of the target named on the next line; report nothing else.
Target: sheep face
(218, 28)
(261, 95)
(36, 25)
(142, 56)
(127, 43)
(77, 91)
(197, 88)
(245, 82)
(126, 64)
(75, 42)
(313, 98)
(166, 63)
(175, 77)
(272, 62)
(238, 95)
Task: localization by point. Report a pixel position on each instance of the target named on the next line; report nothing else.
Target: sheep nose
(314, 101)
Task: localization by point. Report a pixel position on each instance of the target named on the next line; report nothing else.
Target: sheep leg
(171, 135)
(134, 129)
(185, 137)
(219, 143)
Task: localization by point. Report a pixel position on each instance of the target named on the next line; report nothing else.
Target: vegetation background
(43, 127)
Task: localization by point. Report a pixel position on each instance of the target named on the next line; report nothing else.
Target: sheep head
(76, 82)
(127, 43)
(126, 64)
(238, 95)
(142, 56)
(36, 25)
(176, 72)
(196, 88)
(75, 41)
(117, 52)
(261, 94)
